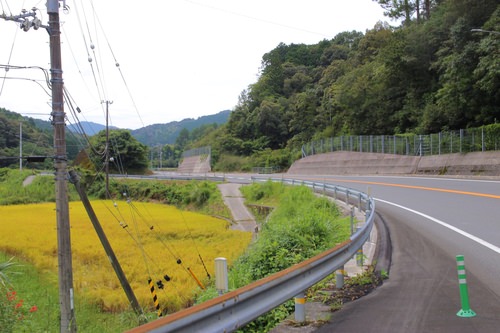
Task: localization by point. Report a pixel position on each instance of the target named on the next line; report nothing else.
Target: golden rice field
(155, 236)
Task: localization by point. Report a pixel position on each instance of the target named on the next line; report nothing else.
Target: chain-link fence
(202, 151)
(462, 141)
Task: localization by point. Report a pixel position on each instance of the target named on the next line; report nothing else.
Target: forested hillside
(37, 140)
(431, 73)
(161, 134)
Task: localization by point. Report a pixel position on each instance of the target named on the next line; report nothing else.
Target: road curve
(422, 293)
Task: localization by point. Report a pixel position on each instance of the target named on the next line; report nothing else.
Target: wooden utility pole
(68, 322)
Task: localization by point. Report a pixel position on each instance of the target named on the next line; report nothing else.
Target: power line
(258, 19)
(8, 62)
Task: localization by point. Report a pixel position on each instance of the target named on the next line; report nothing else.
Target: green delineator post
(466, 311)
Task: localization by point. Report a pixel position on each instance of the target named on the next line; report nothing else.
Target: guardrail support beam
(339, 277)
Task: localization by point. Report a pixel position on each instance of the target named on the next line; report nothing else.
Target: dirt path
(28, 180)
(243, 219)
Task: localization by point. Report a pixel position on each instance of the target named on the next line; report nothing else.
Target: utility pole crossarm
(23, 19)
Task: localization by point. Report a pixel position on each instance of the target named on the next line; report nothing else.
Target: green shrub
(227, 163)
(41, 189)
(258, 193)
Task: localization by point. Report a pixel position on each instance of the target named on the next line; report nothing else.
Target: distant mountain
(160, 134)
(89, 127)
(150, 135)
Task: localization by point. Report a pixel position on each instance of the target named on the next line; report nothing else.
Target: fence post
(466, 311)
(430, 139)
(451, 142)
(420, 144)
(461, 139)
(482, 138)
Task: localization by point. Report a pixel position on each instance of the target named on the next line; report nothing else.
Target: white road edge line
(446, 225)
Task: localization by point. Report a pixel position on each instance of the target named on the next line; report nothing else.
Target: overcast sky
(177, 58)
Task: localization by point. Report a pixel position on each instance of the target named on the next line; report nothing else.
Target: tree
(397, 9)
(270, 124)
(129, 155)
(183, 139)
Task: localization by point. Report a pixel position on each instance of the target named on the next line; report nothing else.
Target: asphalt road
(430, 221)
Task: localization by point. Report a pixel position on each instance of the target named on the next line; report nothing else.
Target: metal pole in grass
(466, 311)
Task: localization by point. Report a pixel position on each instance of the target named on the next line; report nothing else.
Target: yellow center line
(425, 188)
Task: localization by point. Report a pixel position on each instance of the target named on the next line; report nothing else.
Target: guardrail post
(300, 307)
(359, 254)
(352, 220)
(466, 311)
(339, 277)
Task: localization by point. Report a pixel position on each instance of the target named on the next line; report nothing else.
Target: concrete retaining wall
(355, 163)
(195, 164)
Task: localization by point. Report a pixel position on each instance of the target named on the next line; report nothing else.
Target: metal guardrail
(233, 310)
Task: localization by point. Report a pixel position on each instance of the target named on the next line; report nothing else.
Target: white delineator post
(221, 279)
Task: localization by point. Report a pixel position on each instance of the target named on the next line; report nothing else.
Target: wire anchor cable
(196, 279)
